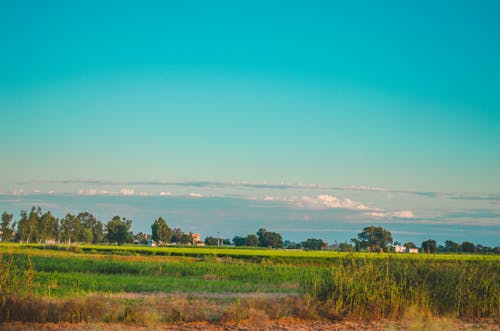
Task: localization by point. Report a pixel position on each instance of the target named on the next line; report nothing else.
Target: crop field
(137, 284)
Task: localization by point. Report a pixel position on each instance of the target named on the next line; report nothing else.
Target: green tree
(314, 244)
(373, 238)
(409, 245)
(468, 247)
(269, 239)
(345, 247)
(451, 246)
(429, 246)
(118, 230)
(212, 241)
(251, 240)
(160, 232)
(7, 228)
(70, 228)
(91, 229)
(239, 241)
(28, 225)
(48, 227)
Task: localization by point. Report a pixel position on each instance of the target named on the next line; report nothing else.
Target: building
(402, 249)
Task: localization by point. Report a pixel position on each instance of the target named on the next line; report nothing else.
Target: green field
(302, 284)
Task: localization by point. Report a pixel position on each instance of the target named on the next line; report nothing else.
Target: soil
(276, 325)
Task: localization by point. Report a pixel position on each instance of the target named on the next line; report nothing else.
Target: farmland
(143, 285)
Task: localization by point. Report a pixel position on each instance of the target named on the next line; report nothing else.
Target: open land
(167, 288)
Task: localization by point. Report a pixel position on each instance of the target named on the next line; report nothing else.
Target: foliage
(212, 241)
(6, 227)
(160, 231)
(269, 239)
(118, 230)
(429, 246)
(409, 245)
(468, 247)
(314, 244)
(373, 238)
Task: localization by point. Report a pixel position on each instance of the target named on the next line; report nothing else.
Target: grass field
(139, 284)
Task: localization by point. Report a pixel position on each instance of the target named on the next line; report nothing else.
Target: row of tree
(35, 226)
(376, 238)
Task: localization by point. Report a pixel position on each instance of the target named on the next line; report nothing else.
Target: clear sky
(390, 94)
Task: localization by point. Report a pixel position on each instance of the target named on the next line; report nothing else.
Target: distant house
(151, 243)
(402, 249)
(197, 239)
(399, 249)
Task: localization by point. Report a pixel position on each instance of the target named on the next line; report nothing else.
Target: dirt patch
(284, 324)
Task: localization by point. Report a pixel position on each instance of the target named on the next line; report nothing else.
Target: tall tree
(468, 247)
(118, 230)
(451, 246)
(7, 227)
(70, 228)
(374, 238)
(429, 246)
(92, 230)
(252, 240)
(48, 227)
(160, 231)
(314, 244)
(269, 239)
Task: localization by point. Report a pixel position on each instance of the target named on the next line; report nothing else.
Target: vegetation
(311, 284)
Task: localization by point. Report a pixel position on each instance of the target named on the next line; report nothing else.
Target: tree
(212, 241)
(314, 244)
(451, 246)
(468, 247)
(48, 227)
(28, 225)
(239, 241)
(429, 246)
(118, 230)
(70, 228)
(6, 227)
(345, 247)
(269, 239)
(374, 238)
(252, 240)
(409, 245)
(91, 229)
(160, 232)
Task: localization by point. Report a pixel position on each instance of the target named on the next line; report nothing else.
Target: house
(197, 239)
(402, 249)
(399, 249)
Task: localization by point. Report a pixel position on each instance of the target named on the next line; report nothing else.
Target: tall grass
(332, 285)
(371, 288)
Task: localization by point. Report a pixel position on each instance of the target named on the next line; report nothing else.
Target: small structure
(197, 239)
(402, 249)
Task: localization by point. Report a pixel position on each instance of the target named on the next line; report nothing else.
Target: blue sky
(392, 95)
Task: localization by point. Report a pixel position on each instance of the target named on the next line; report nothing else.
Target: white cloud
(195, 195)
(395, 214)
(329, 201)
(127, 191)
(403, 214)
(88, 192)
(165, 193)
(376, 214)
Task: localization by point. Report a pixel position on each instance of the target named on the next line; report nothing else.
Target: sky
(337, 114)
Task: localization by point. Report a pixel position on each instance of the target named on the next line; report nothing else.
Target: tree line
(38, 227)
